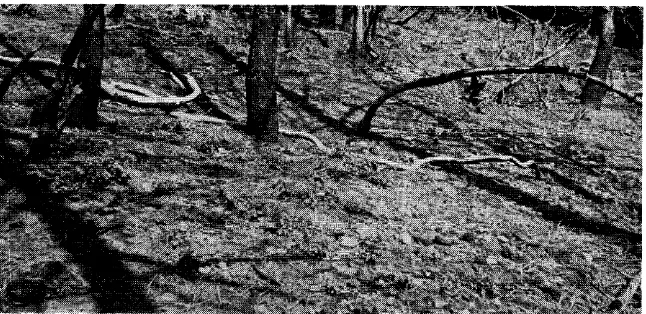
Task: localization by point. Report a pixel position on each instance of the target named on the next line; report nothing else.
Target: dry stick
(446, 160)
(523, 16)
(511, 84)
(364, 125)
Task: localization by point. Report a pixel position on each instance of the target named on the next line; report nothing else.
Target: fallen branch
(283, 131)
(142, 97)
(446, 160)
(364, 125)
(306, 136)
(132, 94)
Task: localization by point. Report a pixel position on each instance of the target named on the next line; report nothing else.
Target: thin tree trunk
(338, 17)
(592, 94)
(346, 19)
(261, 80)
(369, 33)
(289, 28)
(357, 46)
(84, 112)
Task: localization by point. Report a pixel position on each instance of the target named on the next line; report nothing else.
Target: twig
(523, 16)
(510, 85)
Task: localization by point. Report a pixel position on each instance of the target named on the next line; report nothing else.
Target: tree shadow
(554, 213)
(113, 286)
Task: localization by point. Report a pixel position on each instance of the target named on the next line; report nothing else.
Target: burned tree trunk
(357, 47)
(261, 80)
(84, 110)
(600, 67)
(289, 28)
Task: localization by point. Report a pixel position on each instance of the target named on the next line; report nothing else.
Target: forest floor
(168, 214)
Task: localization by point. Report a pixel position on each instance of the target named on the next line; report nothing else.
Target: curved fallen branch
(364, 125)
(130, 93)
(306, 136)
(142, 97)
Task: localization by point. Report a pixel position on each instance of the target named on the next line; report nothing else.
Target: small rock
(349, 241)
(406, 238)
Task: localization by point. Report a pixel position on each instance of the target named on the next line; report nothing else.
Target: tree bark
(84, 112)
(600, 67)
(371, 27)
(289, 28)
(357, 48)
(346, 18)
(338, 17)
(261, 80)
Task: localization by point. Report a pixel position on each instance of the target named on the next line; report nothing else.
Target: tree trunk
(369, 33)
(346, 18)
(325, 15)
(117, 12)
(338, 17)
(261, 80)
(84, 112)
(357, 48)
(289, 28)
(592, 94)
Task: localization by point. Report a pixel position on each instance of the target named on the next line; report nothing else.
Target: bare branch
(364, 125)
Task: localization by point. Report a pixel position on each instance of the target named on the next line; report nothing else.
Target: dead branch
(286, 132)
(306, 136)
(132, 94)
(446, 160)
(141, 97)
(316, 34)
(364, 125)
(521, 15)
(410, 17)
(510, 85)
